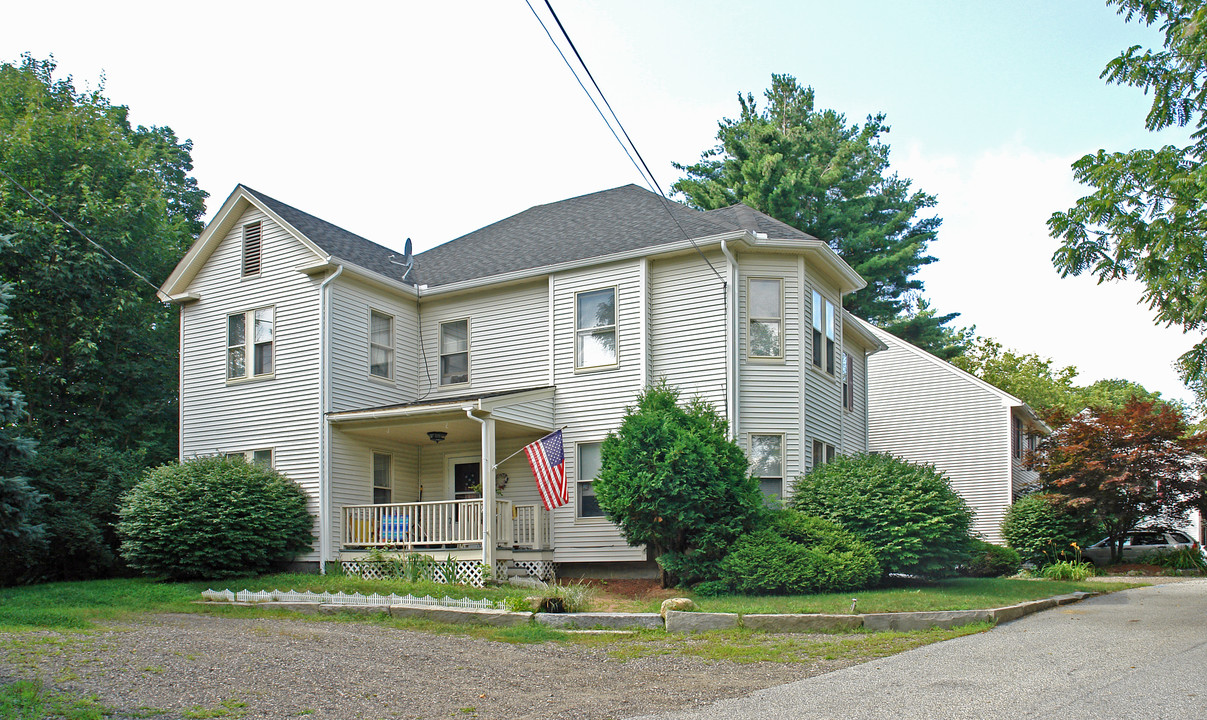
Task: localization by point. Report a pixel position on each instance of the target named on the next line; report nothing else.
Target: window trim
(751, 319)
(374, 487)
(750, 436)
(579, 482)
(440, 354)
(391, 348)
(615, 329)
(259, 224)
(249, 346)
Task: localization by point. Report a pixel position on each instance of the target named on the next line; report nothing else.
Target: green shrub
(1181, 559)
(989, 560)
(1042, 532)
(907, 513)
(212, 517)
(797, 554)
(1067, 570)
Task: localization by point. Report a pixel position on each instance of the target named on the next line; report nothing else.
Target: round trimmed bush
(212, 517)
(989, 560)
(1042, 531)
(907, 513)
(796, 554)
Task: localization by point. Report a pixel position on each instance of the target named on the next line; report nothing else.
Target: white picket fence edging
(342, 598)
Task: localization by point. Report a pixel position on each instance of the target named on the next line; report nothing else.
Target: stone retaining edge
(688, 622)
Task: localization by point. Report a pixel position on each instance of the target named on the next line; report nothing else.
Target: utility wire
(648, 174)
(63, 220)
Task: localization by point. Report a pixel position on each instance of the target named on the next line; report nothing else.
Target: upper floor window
(454, 352)
(251, 249)
(589, 463)
(595, 328)
(766, 311)
(823, 333)
(767, 463)
(256, 345)
(848, 381)
(381, 345)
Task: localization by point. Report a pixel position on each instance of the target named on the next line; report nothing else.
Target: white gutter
(324, 426)
(731, 340)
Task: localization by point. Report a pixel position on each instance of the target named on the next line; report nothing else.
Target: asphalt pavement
(1133, 655)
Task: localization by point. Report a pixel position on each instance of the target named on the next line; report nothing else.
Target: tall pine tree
(810, 169)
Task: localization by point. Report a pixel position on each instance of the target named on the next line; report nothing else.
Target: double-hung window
(381, 345)
(256, 345)
(589, 463)
(383, 478)
(766, 311)
(454, 352)
(823, 452)
(823, 333)
(848, 381)
(595, 328)
(767, 463)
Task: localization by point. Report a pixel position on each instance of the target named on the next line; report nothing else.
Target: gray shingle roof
(335, 240)
(750, 219)
(601, 223)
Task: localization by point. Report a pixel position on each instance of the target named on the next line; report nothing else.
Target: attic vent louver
(251, 249)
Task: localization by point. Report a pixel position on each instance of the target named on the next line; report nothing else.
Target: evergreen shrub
(990, 560)
(211, 518)
(1043, 532)
(907, 513)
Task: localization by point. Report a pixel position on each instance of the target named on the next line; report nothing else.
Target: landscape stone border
(689, 622)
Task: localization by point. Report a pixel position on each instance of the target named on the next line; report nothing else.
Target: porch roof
(409, 422)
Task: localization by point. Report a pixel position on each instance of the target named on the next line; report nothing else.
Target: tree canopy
(1121, 467)
(809, 168)
(1049, 389)
(1146, 217)
(672, 480)
(92, 348)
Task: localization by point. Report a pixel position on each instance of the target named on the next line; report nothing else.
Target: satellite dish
(407, 258)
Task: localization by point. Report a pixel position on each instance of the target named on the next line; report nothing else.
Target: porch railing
(442, 522)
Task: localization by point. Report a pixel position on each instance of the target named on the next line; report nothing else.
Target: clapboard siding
(769, 390)
(927, 411)
(823, 391)
(351, 385)
(591, 403)
(687, 327)
(508, 340)
(281, 412)
(535, 414)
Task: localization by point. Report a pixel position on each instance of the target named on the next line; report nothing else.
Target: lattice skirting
(545, 570)
(467, 572)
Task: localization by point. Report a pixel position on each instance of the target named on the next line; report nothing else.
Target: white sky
(431, 120)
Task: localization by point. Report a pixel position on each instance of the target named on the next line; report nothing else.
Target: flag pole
(517, 452)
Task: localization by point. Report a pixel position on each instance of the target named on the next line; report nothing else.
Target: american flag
(548, 463)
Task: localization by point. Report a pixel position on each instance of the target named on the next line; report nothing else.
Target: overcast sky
(429, 120)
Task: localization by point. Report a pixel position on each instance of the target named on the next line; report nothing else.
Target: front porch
(445, 524)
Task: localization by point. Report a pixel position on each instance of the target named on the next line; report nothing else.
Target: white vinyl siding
(687, 310)
(770, 398)
(217, 415)
(591, 404)
(509, 346)
(928, 411)
(353, 387)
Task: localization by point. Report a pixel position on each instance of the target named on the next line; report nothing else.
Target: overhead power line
(81, 233)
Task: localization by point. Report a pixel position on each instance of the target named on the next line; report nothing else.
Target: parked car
(1139, 543)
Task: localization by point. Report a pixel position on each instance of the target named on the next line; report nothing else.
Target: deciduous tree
(1123, 467)
(1146, 218)
(812, 170)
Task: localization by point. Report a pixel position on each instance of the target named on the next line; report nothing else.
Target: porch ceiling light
(436, 435)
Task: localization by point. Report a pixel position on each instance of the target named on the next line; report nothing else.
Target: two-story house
(397, 393)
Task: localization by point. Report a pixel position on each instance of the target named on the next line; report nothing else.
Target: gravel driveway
(279, 668)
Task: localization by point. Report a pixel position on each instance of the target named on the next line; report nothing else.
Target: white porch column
(488, 493)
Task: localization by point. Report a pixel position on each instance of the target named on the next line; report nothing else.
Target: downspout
(324, 426)
(731, 341)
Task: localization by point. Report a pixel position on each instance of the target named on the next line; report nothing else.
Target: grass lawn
(82, 605)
